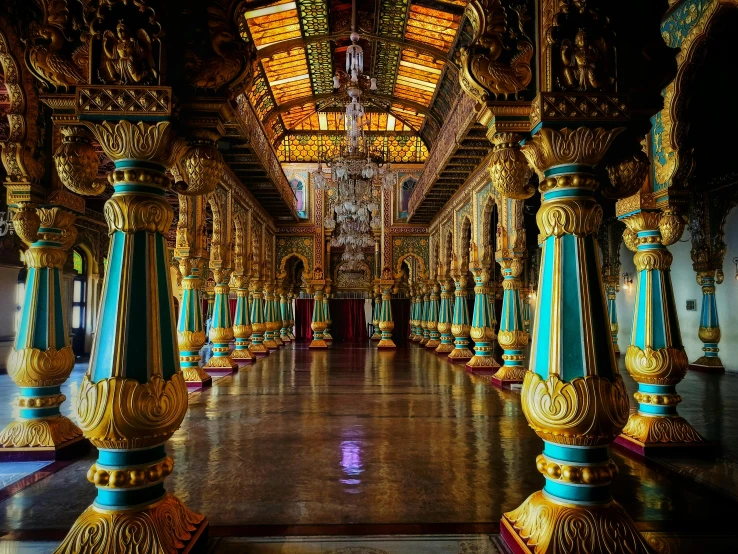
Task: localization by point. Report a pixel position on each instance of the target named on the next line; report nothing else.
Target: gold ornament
(161, 528)
(630, 238)
(709, 334)
(512, 340)
(136, 477)
(32, 367)
(582, 146)
(26, 223)
(133, 213)
(510, 373)
(587, 411)
(77, 163)
(48, 432)
(202, 163)
(665, 366)
(508, 168)
(671, 227)
(662, 429)
(626, 177)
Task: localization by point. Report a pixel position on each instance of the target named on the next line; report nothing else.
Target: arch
(283, 265)
(422, 272)
(23, 155)
(239, 241)
(673, 160)
(340, 281)
(465, 239)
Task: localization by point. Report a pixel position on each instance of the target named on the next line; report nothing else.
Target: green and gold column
(411, 337)
(42, 358)
(432, 322)
(386, 323)
(221, 326)
(655, 357)
(525, 299)
(270, 317)
(376, 335)
(709, 332)
(134, 397)
(258, 326)
(482, 328)
(190, 327)
(460, 326)
(612, 285)
(291, 317)
(327, 314)
(318, 324)
(512, 336)
(445, 315)
(284, 333)
(424, 313)
(242, 322)
(572, 396)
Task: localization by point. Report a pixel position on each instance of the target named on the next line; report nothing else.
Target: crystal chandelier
(357, 172)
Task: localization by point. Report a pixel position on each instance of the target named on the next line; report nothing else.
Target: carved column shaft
(512, 336)
(460, 325)
(482, 328)
(258, 326)
(386, 323)
(190, 327)
(318, 324)
(221, 327)
(709, 331)
(445, 316)
(242, 323)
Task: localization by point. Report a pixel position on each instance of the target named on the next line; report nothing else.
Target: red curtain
(401, 317)
(347, 319)
(303, 318)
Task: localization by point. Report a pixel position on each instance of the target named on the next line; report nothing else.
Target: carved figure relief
(127, 59)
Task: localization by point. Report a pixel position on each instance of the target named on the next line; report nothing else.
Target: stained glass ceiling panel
(433, 27)
(275, 23)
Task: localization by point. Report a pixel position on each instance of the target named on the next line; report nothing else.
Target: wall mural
(302, 245)
(405, 186)
(404, 246)
(298, 181)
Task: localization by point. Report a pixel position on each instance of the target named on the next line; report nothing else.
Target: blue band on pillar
(39, 391)
(125, 498)
(123, 458)
(576, 454)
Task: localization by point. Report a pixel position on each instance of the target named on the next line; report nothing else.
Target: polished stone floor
(383, 443)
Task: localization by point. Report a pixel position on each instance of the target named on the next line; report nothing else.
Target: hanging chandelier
(357, 171)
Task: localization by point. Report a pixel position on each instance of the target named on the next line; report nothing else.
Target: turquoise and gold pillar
(242, 322)
(655, 357)
(221, 326)
(572, 396)
(277, 310)
(318, 324)
(284, 309)
(270, 316)
(418, 307)
(525, 299)
(425, 312)
(327, 314)
(190, 327)
(460, 326)
(512, 336)
(482, 328)
(42, 358)
(445, 316)
(291, 316)
(376, 335)
(411, 337)
(432, 321)
(134, 397)
(386, 323)
(258, 326)
(612, 285)
(709, 331)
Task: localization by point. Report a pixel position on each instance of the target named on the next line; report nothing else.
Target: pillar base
(278, 341)
(292, 337)
(165, 527)
(39, 439)
(423, 341)
(243, 356)
(320, 343)
(196, 378)
(508, 375)
(667, 435)
(444, 349)
(270, 344)
(460, 355)
(221, 365)
(713, 364)
(53, 438)
(376, 337)
(542, 525)
(386, 343)
(285, 338)
(482, 365)
(433, 343)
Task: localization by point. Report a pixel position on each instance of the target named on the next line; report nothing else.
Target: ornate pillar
(418, 300)
(655, 357)
(42, 358)
(376, 335)
(210, 297)
(460, 326)
(424, 314)
(482, 330)
(525, 299)
(386, 324)
(573, 396)
(242, 322)
(190, 327)
(277, 311)
(291, 316)
(327, 313)
(270, 316)
(612, 286)
(258, 325)
(445, 315)
(284, 310)
(412, 312)
(318, 325)
(512, 335)
(709, 331)
(134, 396)
(221, 325)
(433, 308)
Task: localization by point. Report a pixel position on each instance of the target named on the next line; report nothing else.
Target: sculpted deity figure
(579, 58)
(127, 60)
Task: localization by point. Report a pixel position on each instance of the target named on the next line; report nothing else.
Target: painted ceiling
(409, 46)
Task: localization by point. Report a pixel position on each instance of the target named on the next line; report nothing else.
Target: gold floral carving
(31, 367)
(133, 213)
(587, 411)
(665, 366)
(202, 163)
(630, 239)
(45, 257)
(671, 226)
(572, 216)
(483, 334)
(162, 528)
(77, 163)
(626, 176)
(195, 374)
(134, 477)
(512, 340)
(649, 260)
(123, 413)
(584, 146)
(577, 474)
(508, 168)
(510, 373)
(190, 340)
(540, 524)
(26, 223)
(648, 430)
(709, 334)
(140, 141)
(48, 432)
(225, 334)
